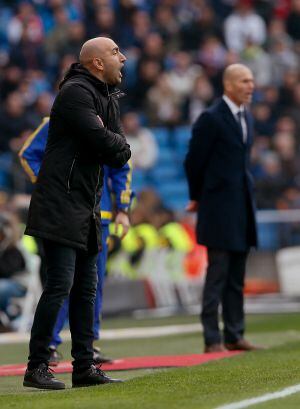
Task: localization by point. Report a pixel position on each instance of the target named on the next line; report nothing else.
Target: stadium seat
(182, 135)
(268, 236)
(161, 136)
(5, 170)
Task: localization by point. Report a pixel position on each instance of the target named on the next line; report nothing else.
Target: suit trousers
(224, 285)
(70, 272)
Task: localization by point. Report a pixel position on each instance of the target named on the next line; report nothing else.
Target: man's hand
(192, 206)
(122, 219)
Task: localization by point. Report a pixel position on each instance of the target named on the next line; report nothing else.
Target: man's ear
(227, 85)
(98, 63)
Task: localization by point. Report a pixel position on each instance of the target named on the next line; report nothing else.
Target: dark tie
(240, 115)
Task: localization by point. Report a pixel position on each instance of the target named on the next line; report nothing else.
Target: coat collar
(232, 106)
(228, 116)
(78, 70)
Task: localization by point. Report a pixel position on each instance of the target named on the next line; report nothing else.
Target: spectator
(259, 62)
(244, 25)
(201, 96)
(272, 183)
(212, 55)
(10, 81)
(13, 120)
(27, 20)
(295, 106)
(76, 36)
(283, 59)
(163, 104)
(141, 141)
(13, 277)
(104, 23)
(27, 54)
(285, 146)
(293, 20)
(263, 122)
(42, 107)
(167, 26)
(204, 24)
(58, 36)
(153, 49)
(148, 71)
(182, 76)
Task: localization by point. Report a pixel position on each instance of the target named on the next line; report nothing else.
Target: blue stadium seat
(182, 135)
(174, 193)
(165, 155)
(165, 167)
(5, 170)
(268, 236)
(161, 136)
(138, 180)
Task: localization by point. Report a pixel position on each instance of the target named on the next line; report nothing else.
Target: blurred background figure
(13, 274)
(141, 141)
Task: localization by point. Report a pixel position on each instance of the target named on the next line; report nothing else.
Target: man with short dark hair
(221, 191)
(84, 134)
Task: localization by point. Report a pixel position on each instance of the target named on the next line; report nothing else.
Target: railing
(278, 228)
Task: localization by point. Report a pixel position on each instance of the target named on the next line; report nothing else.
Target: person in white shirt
(243, 26)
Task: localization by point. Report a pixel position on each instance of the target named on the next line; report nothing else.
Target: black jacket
(217, 167)
(65, 203)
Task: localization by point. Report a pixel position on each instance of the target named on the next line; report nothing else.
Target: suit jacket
(217, 168)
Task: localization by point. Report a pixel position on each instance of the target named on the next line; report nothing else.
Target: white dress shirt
(235, 109)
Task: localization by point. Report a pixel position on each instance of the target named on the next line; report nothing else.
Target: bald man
(221, 192)
(84, 134)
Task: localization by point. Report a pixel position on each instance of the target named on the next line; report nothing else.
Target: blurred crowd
(176, 51)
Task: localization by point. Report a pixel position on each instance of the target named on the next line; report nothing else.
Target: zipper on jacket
(70, 174)
(95, 198)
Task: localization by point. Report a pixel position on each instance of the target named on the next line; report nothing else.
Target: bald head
(238, 83)
(232, 71)
(94, 48)
(102, 57)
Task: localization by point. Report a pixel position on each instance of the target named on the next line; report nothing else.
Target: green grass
(202, 387)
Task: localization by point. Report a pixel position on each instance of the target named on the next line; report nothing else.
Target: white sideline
(118, 333)
(264, 398)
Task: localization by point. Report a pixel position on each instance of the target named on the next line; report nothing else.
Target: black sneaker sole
(57, 387)
(94, 384)
(87, 385)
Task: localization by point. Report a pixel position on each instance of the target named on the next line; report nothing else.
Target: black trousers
(73, 273)
(224, 285)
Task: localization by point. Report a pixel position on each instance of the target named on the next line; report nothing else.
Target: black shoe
(55, 356)
(42, 378)
(99, 358)
(92, 376)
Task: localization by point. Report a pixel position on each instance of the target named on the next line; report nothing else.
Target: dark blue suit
(217, 168)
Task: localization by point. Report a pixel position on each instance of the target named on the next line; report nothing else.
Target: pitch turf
(202, 387)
